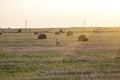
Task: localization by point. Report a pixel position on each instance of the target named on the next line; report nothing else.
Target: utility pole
(25, 23)
(84, 23)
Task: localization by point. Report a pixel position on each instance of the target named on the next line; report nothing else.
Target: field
(24, 57)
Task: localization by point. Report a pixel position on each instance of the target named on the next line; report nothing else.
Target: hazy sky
(59, 13)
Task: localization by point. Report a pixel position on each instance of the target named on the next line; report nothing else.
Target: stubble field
(24, 57)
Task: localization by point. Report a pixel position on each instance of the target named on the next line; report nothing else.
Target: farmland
(25, 57)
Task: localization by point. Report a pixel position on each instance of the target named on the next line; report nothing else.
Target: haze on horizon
(59, 13)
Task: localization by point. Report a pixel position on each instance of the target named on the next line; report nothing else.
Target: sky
(59, 13)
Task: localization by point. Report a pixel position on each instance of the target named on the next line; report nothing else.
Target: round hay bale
(35, 33)
(2, 31)
(46, 31)
(96, 31)
(61, 30)
(69, 33)
(57, 33)
(82, 38)
(19, 30)
(42, 36)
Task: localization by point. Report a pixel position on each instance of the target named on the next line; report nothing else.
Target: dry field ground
(24, 57)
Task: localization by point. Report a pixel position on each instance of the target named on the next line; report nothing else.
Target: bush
(42, 36)
(0, 33)
(69, 33)
(57, 33)
(35, 33)
(82, 38)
